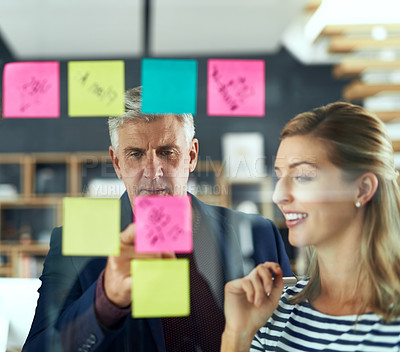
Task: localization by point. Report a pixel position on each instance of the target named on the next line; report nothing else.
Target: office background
(315, 52)
(291, 88)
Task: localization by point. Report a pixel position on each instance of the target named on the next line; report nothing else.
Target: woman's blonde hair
(357, 142)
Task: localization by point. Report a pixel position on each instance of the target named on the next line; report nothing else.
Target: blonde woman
(337, 188)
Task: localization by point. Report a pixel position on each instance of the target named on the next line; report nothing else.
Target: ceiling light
(379, 33)
(340, 12)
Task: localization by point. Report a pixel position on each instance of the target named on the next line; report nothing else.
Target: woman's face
(311, 192)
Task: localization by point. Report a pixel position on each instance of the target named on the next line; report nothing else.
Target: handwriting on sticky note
(233, 90)
(91, 226)
(96, 88)
(31, 89)
(163, 224)
(160, 288)
(32, 92)
(236, 87)
(104, 93)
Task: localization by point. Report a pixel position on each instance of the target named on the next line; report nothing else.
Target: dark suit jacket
(65, 318)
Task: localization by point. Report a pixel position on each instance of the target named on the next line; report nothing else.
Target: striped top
(302, 328)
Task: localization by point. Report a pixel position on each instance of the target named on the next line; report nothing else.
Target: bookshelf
(258, 191)
(32, 187)
(22, 260)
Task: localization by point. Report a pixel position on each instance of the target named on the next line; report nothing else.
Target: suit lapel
(208, 255)
(158, 334)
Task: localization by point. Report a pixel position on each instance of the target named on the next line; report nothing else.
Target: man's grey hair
(133, 103)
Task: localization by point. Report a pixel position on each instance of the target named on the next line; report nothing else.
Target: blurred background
(315, 52)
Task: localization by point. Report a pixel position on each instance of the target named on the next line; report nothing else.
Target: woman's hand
(249, 303)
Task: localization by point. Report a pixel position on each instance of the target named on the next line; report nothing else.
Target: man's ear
(193, 153)
(367, 185)
(115, 161)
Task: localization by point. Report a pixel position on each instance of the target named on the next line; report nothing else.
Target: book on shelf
(31, 266)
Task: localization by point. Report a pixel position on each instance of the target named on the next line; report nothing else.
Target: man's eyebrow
(168, 146)
(128, 150)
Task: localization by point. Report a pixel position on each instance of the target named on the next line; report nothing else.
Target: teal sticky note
(169, 86)
(160, 288)
(91, 226)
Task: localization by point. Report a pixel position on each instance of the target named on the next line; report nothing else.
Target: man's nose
(153, 168)
(282, 192)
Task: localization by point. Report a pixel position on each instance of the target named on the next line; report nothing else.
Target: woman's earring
(358, 204)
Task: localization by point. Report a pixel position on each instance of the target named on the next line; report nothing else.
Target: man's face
(153, 158)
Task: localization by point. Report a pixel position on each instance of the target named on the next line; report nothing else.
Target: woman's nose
(282, 192)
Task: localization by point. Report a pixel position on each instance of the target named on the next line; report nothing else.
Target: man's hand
(249, 303)
(117, 275)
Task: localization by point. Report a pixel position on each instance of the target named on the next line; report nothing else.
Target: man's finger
(128, 235)
(168, 255)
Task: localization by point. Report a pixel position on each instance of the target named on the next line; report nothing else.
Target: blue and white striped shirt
(300, 327)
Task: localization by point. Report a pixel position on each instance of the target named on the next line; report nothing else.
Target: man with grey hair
(85, 303)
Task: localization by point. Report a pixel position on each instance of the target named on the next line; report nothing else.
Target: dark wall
(291, 88)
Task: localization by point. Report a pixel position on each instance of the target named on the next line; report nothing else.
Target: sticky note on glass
(96, 88)
(91, 226)
(160, 288)
(31, 90)
(169, 86)
(163, 224)
(236, 87)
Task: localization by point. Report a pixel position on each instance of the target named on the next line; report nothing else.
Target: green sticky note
(96, 88)
(91, 226)
(169, 86)
(160, 288)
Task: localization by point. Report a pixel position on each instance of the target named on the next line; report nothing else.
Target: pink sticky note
(31, 89)
(163, 224)
(236, 87)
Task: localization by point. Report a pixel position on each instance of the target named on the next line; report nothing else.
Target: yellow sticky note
(96, 88)
(160, 288)
(91, 226)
